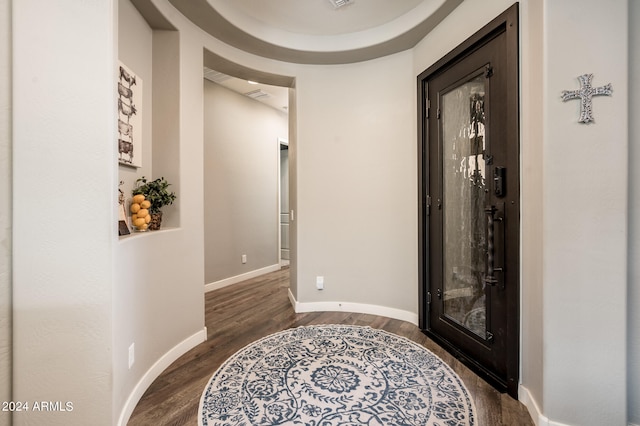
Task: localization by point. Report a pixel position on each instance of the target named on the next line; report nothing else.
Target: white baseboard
(360, 308)
(156, 369)
(238, 278)
(534, 410)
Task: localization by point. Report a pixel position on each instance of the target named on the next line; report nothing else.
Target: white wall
(293, 192)
(634, 216)
(64, 192)
(135, 43)
(356, 186)
(531, 112)
(159, 275)
(241, 155)
(5, 207)
(166, 132)
(585, 257)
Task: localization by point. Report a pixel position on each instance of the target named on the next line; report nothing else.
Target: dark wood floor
(242, 313)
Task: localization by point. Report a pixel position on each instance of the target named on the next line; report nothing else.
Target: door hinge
(489, 337)
(428, 298)
(438, 116)
(488, 71)
(428, 107)
(428, 206)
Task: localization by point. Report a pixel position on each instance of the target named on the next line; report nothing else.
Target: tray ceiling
(314, 31)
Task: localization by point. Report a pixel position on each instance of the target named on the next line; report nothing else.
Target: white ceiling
(314, 17)
(274, 96)
(314, 31)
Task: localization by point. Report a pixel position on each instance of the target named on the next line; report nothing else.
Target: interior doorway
(283, 167)
(246, 118)
(470, 202)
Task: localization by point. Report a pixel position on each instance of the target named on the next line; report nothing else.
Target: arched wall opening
(242, 151)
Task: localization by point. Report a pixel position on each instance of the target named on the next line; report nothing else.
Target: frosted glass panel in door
(463, 145)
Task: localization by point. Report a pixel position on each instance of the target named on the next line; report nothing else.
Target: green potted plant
(158, 195)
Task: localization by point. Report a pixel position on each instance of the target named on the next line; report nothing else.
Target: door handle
(490, 278)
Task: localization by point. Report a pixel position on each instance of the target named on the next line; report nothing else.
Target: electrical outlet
(132, 355)
(244, 258)
(320, 283)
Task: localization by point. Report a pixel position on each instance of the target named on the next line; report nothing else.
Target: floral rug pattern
(335, 375)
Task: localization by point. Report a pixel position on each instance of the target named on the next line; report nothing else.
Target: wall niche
(150, 46)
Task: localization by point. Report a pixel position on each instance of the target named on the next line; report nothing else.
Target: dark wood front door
(470, 202)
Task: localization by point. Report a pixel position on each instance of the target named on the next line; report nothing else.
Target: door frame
(506, 22)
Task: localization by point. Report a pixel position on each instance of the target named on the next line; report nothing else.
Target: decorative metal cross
(585, 93)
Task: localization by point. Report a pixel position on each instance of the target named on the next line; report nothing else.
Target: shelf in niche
(135, 235)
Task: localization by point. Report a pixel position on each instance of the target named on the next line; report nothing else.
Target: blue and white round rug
(326, 375)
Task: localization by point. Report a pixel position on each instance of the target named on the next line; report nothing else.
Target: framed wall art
(129, 117)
